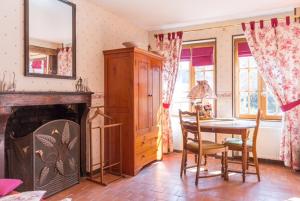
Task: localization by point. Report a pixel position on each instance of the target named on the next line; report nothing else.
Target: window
(197, 63)
(181, 90)
(251, 92)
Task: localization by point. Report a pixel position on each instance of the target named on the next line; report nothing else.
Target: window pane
(253, 103)
(272, 106)
(243, 62)
(209, 76)
(252, 62)
(199, 74)
(244, 103)
(243, 79)
(211, 67)
(180, 100)
(253, 80)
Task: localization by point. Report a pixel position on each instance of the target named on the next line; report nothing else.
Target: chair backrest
(189, 122)
(255, 133)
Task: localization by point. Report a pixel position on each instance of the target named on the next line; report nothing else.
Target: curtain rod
(233, 25)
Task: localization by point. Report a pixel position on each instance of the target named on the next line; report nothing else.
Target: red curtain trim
(180, 34)
(252, 25)
(161, 37)
(244, 26)
(261, 24)
(171, 35)
(287, 20)
(274, 23)
(290, 106)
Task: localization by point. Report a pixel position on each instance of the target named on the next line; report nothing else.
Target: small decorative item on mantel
(199, 94)
(10, 85)
(79, 85)
(82, 87)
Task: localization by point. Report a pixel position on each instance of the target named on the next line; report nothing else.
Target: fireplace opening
(43, 147)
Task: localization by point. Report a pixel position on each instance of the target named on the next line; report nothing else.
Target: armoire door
(155, 105)
(155, 93)
(143, 126)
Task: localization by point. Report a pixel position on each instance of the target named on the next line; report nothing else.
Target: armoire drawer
(145, 157)
(146, 142)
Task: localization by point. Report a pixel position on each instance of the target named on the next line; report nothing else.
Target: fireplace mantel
(10, 100)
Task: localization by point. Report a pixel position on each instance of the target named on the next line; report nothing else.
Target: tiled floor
(161, 181)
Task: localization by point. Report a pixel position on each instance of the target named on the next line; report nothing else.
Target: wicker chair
(235, 144)
(194, 144)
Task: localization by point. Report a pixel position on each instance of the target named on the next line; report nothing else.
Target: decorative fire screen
(48, 158)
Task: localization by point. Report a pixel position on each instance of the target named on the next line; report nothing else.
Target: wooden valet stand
(105, 164)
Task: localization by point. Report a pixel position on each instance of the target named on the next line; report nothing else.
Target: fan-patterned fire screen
(53, 150)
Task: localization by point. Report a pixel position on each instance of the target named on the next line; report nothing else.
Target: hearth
(42, 138)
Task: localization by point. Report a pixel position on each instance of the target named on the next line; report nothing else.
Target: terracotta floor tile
(161, 181)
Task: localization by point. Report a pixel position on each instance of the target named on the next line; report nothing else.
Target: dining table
(230, 126)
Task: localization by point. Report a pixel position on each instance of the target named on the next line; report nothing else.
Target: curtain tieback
(166, 105)
(290, 105)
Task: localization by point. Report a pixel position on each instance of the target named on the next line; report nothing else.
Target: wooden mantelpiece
(10, 100)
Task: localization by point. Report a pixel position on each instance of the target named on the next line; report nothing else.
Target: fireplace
(42, 138)
(42, 147)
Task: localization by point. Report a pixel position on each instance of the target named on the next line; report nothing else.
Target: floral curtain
(170, 48)
(276, 49)
(64, 61)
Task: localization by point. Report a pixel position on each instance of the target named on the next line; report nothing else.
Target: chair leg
(205, 163)
(222, 163)
(248, 160)
(198, 169)
(256, 164)
(182, 164)
(226, 165)
(185, 162)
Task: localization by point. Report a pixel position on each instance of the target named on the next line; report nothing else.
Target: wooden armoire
(133, 96)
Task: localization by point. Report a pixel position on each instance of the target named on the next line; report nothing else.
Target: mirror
(50, 39)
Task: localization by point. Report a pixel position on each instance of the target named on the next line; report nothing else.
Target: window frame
(262, 99)
(211, 42)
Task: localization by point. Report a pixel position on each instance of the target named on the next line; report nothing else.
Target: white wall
(266, 148)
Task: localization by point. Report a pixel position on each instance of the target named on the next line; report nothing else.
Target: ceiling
(162, 14)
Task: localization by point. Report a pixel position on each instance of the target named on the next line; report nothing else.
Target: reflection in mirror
(50, 38)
